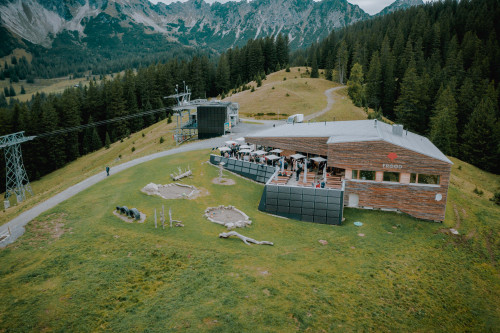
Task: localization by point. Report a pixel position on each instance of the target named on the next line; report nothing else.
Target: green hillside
(79, 268)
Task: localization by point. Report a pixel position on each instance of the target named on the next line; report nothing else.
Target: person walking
(107, 171)
(299, 170)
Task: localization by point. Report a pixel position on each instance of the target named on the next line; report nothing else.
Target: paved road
(329, 105)
(16, 225)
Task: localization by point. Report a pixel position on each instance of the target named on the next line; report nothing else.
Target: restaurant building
(381, 166)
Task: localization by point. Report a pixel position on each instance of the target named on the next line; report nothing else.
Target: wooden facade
(422, 201)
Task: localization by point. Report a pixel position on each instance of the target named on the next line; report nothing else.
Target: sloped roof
(356, 131)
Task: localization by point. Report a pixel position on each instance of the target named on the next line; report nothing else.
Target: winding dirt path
(329, 105)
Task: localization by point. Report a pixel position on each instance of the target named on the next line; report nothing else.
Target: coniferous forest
(434, 68)
(133, 92)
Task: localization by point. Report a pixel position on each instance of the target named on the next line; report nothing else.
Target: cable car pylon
(17, 182)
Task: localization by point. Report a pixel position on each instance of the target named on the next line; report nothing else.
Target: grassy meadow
(91, 164)
(79, 268)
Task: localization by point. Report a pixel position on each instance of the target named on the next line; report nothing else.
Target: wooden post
(163, 216)
(156, 226)
(8, 228)
(170, 216)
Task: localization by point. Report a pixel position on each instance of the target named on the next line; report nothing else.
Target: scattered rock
(390, 233)
(322, 241)
(352, 247)
(179, 225)
(266, 292)
(454, 231)
(361, 235)
(264, 272)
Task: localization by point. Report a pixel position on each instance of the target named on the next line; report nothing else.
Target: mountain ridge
(194, 22)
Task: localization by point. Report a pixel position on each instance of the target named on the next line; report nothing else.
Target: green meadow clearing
(79, 268)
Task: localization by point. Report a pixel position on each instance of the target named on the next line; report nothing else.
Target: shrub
(162, 139)
(284, 79)
(272, 88)
(143, 135)
(287, 69)
(260, 114)
(253, 89)
(478, 191)
(169, 119)
(496, 197)
(287, 95)
(271, 114)
(133, 149)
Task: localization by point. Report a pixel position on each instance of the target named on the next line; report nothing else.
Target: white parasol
(272, 157)
(245, 147)
(297, 156)
(276, 151)
(245, 151)
(259, 152)
(240, 139)
(224, 148)
(318, 159)
(231, 142)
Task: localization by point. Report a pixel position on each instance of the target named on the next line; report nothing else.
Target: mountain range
(194, 22)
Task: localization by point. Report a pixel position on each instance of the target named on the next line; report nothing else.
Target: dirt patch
(229, 216)
(173, 191)
(50, 229)
(129, 219)
(223, 181)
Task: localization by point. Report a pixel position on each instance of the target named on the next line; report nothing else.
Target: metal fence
(257, 172)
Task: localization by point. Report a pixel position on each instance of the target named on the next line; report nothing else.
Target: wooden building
(382, 166)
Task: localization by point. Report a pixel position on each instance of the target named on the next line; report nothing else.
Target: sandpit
(229, 216)
(171, 191)
(223, 181)
(129, 219)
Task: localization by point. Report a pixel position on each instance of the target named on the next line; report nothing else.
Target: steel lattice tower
(16, 178)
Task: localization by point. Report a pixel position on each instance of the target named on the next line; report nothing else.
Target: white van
(296, 118)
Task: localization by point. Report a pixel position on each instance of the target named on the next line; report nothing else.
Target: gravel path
(16, 225)
(329, 105)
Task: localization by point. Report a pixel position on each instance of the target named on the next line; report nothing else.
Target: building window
(363, 174)
(367, 175)
(424, 179)
(391, 176)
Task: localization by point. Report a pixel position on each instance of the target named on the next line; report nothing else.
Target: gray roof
(356, 131)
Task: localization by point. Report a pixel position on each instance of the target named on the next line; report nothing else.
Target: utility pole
(17, 182)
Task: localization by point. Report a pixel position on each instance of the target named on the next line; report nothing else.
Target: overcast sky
(369, 6)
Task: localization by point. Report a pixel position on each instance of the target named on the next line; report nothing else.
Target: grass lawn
(79, 268)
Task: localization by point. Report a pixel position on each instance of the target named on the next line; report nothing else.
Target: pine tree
(116, 108)
(409, 110)
(222, 76)
(329, 67)
(480, 138)
(444, 122)
(69, 116)
(355, 85)
(342, 58)
(6, 92)
(23, 91)
(3, 100)
(314, 70)
(374, 82)
(107, 141)
(12, 92)
(95, 142)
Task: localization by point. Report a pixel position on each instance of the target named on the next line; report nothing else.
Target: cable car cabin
(382, 166)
